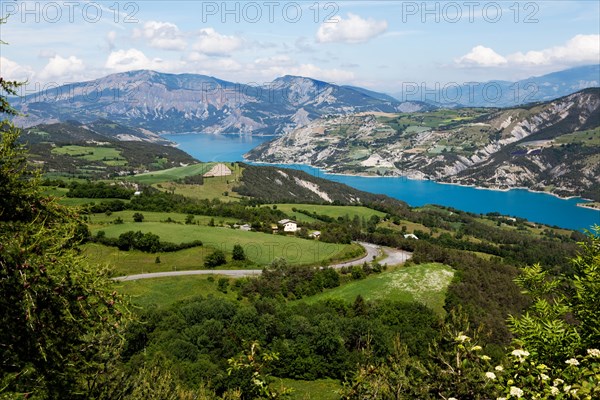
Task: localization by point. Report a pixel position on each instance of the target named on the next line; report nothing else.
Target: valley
(177, 236)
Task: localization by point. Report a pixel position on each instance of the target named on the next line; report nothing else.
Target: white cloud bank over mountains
(581, 49)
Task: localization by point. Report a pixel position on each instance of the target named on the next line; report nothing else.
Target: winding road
(392, 257)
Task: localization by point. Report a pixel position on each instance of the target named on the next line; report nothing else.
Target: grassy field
(260, 248)
(320, 389)
(96, 220)
(588, 138)
(61, 193)
(332, 211)
(171, 174)
(166, 291)
(213, 187)
(108, 155)
(424, 283)
(137, 262)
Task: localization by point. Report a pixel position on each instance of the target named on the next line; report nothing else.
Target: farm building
(288, 225)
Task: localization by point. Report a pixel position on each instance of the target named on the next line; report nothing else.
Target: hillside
(550, 146)
(167, 103)
(94, 150)
(272, 184)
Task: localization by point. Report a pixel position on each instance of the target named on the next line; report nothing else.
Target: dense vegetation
(67, 333)
(74, 150)
(196, 337)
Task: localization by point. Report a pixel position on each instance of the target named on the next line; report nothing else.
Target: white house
(315, 235)
(245, 227)
(288, 225)
(411, 236)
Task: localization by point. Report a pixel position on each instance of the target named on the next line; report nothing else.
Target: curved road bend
(393, 257)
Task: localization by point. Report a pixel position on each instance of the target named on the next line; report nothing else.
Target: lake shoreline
(324, 170)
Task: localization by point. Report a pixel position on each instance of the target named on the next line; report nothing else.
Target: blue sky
(375, 44)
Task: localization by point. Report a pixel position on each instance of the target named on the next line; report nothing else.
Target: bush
(215, 259)
(238, 253)
(138, 217)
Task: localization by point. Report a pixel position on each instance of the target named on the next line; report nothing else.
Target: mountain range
(498, 93)
(167, 103)
(550, 146)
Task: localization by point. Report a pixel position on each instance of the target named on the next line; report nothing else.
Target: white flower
(485, 358)
(554, 390)
(452, 398)
(501, 398)
(462, 338)
(544, 377)
(515, 391)
(566, 388)
(572, 361)
(499, 368)
(594, 352)
(520, 354)
(490, 375)
(558, 381)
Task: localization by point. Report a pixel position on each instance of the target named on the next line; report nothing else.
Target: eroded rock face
(520, 147)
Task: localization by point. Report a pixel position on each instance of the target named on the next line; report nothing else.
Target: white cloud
(111, 37)
(277, 66)
(580, 49)
(353, 29)
(213, 43)
(46, 53)
(203, 64)
(59, 67)
(161, 35)
(13, 71)
(134, 59)
(481, 56)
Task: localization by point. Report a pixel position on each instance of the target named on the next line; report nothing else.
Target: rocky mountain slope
(552, 146)
(167, 103)
(507, 94)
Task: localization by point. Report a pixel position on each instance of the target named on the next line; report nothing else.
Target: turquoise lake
(538, 207)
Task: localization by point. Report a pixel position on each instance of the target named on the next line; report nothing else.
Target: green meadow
(172, 174)
(149, 216)
(261, 248)
(166, 291)
(424, 283)
(332, 211)
(108, 155)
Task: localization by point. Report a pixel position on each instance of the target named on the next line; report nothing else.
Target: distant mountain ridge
(168, 103)
(497, 93)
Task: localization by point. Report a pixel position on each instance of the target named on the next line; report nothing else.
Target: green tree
(189, 219)
(238, 253)
(60, 317)
(215, 259)
(138, 217)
